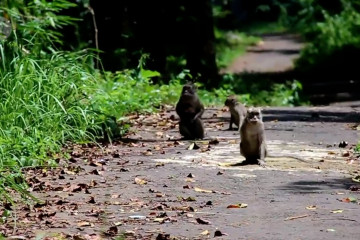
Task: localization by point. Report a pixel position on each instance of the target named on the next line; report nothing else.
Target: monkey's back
(238, 112)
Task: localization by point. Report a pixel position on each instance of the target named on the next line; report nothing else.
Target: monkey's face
(254, 115)
(188, 90)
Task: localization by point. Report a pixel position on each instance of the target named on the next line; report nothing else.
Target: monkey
(237, 111)
(252, 132)
(253, 143)
(190, 109)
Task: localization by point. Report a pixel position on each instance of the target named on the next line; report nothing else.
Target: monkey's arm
(200, 112)
(262, 150)
(231, 122)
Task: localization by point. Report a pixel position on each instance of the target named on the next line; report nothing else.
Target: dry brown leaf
(239, 205)
(202, 221)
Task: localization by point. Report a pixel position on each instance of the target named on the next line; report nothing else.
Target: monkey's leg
(263, 153)
(197, 129)
(185, 131)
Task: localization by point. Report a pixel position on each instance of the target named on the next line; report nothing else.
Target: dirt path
(275, 53)
(151, 184)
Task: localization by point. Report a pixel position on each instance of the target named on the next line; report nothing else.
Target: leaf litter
(103, 191)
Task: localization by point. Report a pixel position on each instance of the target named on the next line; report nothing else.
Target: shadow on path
(322, 185)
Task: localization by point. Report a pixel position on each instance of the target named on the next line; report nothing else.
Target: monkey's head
(231, 101)
(254, 115)
(189, 89)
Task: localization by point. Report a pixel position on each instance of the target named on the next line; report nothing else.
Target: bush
(330, 28)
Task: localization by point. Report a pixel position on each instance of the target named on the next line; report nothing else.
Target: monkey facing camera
(252, 132)
(190, 109)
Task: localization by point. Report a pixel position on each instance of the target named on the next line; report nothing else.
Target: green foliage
(262, 92)
(328, 27)
(357, 148)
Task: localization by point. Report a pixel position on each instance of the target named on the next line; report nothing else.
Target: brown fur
(253, 143)
(237, 111)
(190, 109)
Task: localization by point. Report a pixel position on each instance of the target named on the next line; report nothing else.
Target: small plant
(357, 148)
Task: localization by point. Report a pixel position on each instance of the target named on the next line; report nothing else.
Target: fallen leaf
(83, 224)
(190, 175)
(356, 178)
(346, 154)
(78, 237)
(162, 236)
(202, 190)
(239, 205)
(217, 233)
(214, 141)
(343, 144)
(205, 233)
(296, 217)
(91, 200)
(147, 152)
(349, 199)
(140, 181)
(138, 217)
(354, 188)
(193, 146)
(159, 220)
(190, 199)
(337, 211)
(159, 134)
(202, 221)
(159, 164)
(69, 172)
(113, 230)
(311, 207)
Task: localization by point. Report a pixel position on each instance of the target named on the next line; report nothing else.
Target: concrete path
(275, 53)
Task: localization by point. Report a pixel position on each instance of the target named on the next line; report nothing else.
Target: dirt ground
(152, 185)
